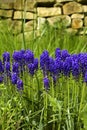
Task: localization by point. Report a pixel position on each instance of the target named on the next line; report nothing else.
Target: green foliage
(61, 108)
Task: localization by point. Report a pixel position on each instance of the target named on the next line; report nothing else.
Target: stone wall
(73, 13)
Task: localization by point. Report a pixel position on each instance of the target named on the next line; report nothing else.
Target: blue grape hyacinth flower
(44, 62)
(59, 66)
(51, 65)
(85, 78)
(15, 67)
(17, 56)
(64, 54)
(7, 66)
(83, 63)
(7, 71)
(75, 69)
(46, 83)
(67, 65)
(36, 63)
(31, 68)
(29, 56)
(1, 79)
(1, 67)
(14, 78)
(58, 53)
(6, 57)
(19, 84)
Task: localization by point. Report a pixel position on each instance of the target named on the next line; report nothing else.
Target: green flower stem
(32, 89)
(45, 107)
(38, 84)
(23, 22)
(53, 95)
(82, 100)
(68, 109)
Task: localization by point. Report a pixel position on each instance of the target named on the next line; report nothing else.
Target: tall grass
(63, 107)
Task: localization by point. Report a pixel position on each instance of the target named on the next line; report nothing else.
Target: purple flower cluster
(63, 64)
(13, 69)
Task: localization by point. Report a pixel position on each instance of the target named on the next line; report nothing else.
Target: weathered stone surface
(7, 1)
(44, 1)
(58, 4)
(13, 25)
(80, 16)
(71, 30)
(64, 19)
(47, 12)
(72, 7)
(68, 12)
(29, 5)
(6, 6)
(63, 0)
(84, 8)
(28, 36)
(40, 22)
(16, 26)
(82, 1)
(77, 23)
(29, 26)
(6, 22)
(85, 21)
(6, 13)
(28, 15)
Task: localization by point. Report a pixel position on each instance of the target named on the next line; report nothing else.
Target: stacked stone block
(73, 13)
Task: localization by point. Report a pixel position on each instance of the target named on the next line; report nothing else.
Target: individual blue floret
(17, 56)
(1, 67)
(36, 63)
(75, 69)
(6, 57)
(14, 78)
(19, 84)
(46, 83)
(28, 57)
(44, 62)
(15, 67)
(64, 54)
(67, 65)
(31, 68)
(58, 53)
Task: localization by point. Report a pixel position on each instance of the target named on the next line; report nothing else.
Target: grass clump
(47, 92)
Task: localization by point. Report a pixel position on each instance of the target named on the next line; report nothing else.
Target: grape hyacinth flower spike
(17, 56)
(64, 54)
(67, 65)
(85, 78)
(7, 71)
(28, 57)
(19, 84)
(46, 83)
(58, 53)
(15, 67)
(44, 62)
(36, 63)
(31, 68)
(1, 67)
(1, 79)
(75, 69)
(14, 78)
(7, 66)
(6, 57)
